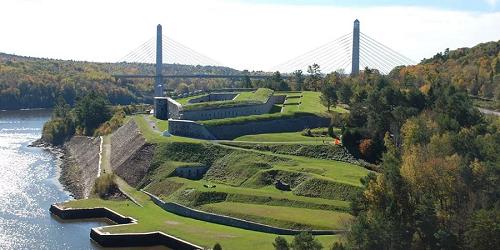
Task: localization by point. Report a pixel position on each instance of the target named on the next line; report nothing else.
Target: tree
(328, 96)
(246, 82)
(345, 93)
(298, 78)
(91, 111)
(484, 230)
(338, 246)
(305, 241)
(314, 80)
(280, 243)
(217, 246)
(277, 82)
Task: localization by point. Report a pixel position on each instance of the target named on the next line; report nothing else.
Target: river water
(29, 185)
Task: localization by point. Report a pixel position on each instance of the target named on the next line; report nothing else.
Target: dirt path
(106, 155)
(106, 167)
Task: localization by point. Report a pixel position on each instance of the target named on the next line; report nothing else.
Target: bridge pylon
(355, 49)
(159, 63)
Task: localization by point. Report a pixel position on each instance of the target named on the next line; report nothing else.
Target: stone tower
(355, 49)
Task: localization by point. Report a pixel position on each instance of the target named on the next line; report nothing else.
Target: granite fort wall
(221, 113)
(213, 97)
(124, 239)
(229, 221)
(174, 108)
(191, 172)
(231, 131)
(279, 99)
(228, 132)
(189, 129)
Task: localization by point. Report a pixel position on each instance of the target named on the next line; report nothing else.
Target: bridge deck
(197, 76)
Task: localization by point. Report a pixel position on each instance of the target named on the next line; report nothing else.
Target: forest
(27, 82)
(475, 69)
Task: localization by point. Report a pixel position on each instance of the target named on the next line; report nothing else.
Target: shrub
(305, 241)
(57, 131)
(217, 246)
(338, 246)
(280, 243)
(113, 124)
(105, 186)
(306, 132)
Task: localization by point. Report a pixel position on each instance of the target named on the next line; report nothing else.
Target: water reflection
(28, 186)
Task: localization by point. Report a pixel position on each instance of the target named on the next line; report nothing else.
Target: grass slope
(287, 217)
(239, 182)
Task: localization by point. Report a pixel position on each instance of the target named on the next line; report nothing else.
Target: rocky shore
(78, 161)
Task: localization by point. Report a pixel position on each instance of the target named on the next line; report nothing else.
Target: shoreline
(63, 177)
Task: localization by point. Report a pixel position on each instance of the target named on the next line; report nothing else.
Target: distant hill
(28, 82)
(476, 69)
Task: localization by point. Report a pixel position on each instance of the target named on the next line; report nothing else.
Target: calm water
(28, 186)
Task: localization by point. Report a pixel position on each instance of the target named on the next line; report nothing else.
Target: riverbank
(77, 164)
(29, 184)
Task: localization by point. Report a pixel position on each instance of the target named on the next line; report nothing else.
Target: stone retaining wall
(189, 129)
(123, 239)
(228, 132)
(220, 113)
(230, 221)
(231, 131)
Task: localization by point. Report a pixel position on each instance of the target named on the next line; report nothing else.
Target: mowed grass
(152, 218)
(282, 138)
(295, 106)
(311, 102)
(156, 137)
(185, 100)
(262, 192)
(315, 218)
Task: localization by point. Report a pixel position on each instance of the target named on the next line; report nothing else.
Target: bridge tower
(159, 63)
(355, 49)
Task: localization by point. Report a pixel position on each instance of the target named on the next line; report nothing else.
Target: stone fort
(184, 119)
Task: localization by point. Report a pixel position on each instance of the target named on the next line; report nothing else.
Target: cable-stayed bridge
(346, 54)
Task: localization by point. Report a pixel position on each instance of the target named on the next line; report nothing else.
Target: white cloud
(492, 3)
(241, 35)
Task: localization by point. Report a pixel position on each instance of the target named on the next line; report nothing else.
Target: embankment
(131, 155)
(80, 165)
(230, 221)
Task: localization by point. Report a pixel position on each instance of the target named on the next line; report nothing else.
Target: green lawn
(152, 218)
(185, 100)
(282, 216)
(294, 210)
(154, 136)
(262, 192)
(260, 96)
(294, 106)
(284, 137)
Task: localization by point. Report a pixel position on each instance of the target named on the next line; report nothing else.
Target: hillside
(28, 82)
(476, 69)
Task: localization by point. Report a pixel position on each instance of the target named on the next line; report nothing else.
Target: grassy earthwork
(240, 183)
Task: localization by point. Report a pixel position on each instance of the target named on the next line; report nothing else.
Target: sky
(243, 34)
